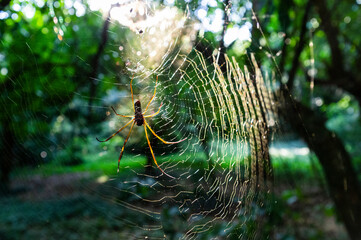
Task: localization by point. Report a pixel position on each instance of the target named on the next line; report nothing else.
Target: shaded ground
(73, 206)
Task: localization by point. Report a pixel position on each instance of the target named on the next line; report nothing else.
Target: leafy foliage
(46, 61)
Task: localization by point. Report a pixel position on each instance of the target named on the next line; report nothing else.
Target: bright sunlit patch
(318, 101)
(43, 154)
(68, 4)
(111, 124)
(14, 16)
(80, 9)
(96, 5)
(3, 15)
(236, 33)
(28, 11)
(4, 71)
(16, 7)
(214, 23)
(102, 153)
(102, 179)
(156, 27)
(169, 2)
(248, 5)
(59, 119)
(347, 19)
(289, 149)
(211, 3)
(40, 3)
(56, 4)
(153, 53)
(201, 13)
(138, 18)
(314, 23)
(289, 152)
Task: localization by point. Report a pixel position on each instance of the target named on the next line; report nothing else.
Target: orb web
(224, 110)
(222, 170)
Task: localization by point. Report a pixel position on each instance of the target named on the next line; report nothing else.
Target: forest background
(64, 63)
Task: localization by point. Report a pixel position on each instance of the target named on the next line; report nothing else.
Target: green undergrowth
(76, 217)
(90, 217)
(105, 163)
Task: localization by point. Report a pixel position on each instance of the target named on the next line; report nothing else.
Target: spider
(139, 119)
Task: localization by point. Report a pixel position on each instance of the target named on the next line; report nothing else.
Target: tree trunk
(342, 180)
(4, 4)
(96, 62)
(222, 48)
(8, 157)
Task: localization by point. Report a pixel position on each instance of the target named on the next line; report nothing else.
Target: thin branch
(222, 47)
(96, 60)
(331, 32)
(4, 4)
(300, 46)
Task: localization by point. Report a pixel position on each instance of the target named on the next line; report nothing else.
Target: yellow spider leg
(116, 132)
(151, 150)
(154, 114)
(125, 141)
(155, 89)
(131, 90)
(164, 141)
(120, 114)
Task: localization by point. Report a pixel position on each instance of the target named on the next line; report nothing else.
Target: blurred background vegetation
(61, 65)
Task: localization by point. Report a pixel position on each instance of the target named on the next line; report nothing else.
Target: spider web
(222, 170)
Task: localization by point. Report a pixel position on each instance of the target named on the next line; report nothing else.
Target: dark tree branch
(96, 60)
(8, 142)
(336, 162)
(300, 47)
(341, 82)
(350, 41)
(345, 79)
(331, 32)
(222, 47)
(4, 3)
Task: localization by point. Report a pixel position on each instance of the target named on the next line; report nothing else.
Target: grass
(105, 163)
(300, 168)
(95, 213)
(77, 217)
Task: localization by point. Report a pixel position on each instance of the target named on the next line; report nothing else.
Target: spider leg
(155, 89)
(120, 114)
(151, 150)
(131, 90)
(125, 141)
(116, 132)
(164, 141)
(154, 114)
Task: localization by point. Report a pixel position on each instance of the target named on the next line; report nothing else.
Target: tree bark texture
(6, 165)
(96, 62)
(342, 180)
(336, 162)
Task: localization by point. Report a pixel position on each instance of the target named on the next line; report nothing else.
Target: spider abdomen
(138, 116)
